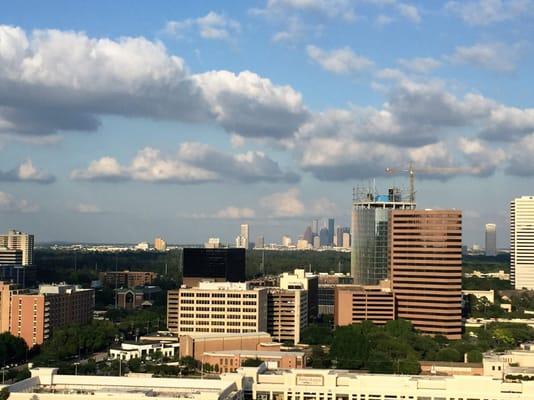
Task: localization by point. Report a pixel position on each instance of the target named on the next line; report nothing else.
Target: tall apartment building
(370, 215)
(425, 257)
(300, 279)
(15, 240)
(217, 307)
(491, 240)
(287, 314)
(33, 315)
(160, 244)
(522, 242)
(354, 303)
(130, 279)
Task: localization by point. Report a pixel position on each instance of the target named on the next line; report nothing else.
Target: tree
(134, 364)
(315, 334)
(4, 394)
(319, 358)
(13, 349)
(449, 354)
(474, 356)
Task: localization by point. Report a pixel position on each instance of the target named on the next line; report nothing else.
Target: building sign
(310, 380)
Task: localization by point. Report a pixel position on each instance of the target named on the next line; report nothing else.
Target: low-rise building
(231, 360)
(127, 351)
(137, 297)
(127, 279)
(512, 362)
(451, 368)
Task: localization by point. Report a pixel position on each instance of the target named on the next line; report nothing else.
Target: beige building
(287, 314)
(130, 279)
(355, 303)
(195, 345)
(160, 244)
(217, 307)
(300, 279)
(15, 240)
(425, 258)
(231, 360)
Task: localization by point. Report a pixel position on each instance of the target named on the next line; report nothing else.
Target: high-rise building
(160, 244)
(10, 257)
(315, 226)
(33, 315)
(346, 240)
(217, 307)
(242, 240)
(213, 243)
(15, 240)
(370, 215)
(286, 241)
(425, 257)
(287, 314)
(308, 235)
(214, 264)
(260, 242)
(128, 279)
(324, 235)
(300, 279)
(491, 240)
(522, 242)
(316, 242)
(338, 237)
(331, 231)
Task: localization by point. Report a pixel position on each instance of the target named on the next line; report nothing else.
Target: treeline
(397, 348)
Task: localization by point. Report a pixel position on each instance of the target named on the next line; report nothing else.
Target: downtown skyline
(187, 121)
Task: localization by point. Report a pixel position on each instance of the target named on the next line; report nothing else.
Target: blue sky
(121, 121)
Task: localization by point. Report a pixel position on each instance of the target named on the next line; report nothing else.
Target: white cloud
(486, 12)
(339, 61)
(54, 81)
(493, 56)
(288, 204)
(409, 12)
(328, 8)
(419, 65)
(86, 208)
(383, 20)
(293, 31)
(235, 213)
(193, 163)
(521, 162)
(211, 26)
(26, 172)
(8, 203)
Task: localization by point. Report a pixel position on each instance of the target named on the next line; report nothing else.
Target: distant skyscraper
(491, 240)
(315, 227)
(325, 236)
(286, 241)
(243, 239)
(308, 235)
(346, 240)
(316, 242)
(260, 242)
(331, 231)
(522, 242)
(213, 243)
(15, 240)
(338, 237)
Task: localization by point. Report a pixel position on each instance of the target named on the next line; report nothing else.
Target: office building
(242, 239)
(426, 269)
(142, 246)
(303, 244)
(354, 304)
(300, 279)
(33, 315)
(10, 256)
(197, 344)
(370, 215)
(522, 242)
(326, 291)
(287, 314)
(127, 279)
(308, 234)
(217, 307)
(338, 237)
(222, 264)
(231, 360)
(331, 231)
(15, 240)
(136, 297)
(346, 240)
(127, 351)
(315, 227)
(286, 241)
(213, 243)
(160, 244)
(260, 242)
(316, 242)
(324, 236)
(491, 240)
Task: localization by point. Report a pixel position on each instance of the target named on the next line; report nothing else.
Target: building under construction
(370, 215)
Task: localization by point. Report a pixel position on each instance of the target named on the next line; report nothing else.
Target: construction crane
(430, 170)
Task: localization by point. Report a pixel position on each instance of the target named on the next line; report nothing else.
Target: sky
(121, 121)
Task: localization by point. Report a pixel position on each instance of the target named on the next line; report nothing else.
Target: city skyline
(119, 127)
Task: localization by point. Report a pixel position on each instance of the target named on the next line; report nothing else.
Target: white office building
(15, 240)
(491, 240)
(522, 242)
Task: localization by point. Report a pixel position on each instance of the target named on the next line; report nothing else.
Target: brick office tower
(425, 258)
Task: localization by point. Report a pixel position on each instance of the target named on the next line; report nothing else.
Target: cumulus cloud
(486, 12)
(26, 172)
(409, 12)
(328, 8)
(54, 81)
(492, 56)
(339, 61)
(211, 26)
(288, 204)
(193, 163)
(420, 65)
(235, 213)
(521, 162)
(8, 203)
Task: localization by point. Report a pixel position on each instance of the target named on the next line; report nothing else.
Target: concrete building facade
(129, 279)
(522, 242)
(491, 240)
(300, 279)
(287, 314)
(15, 240)
(217, 307)
(425, 257)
